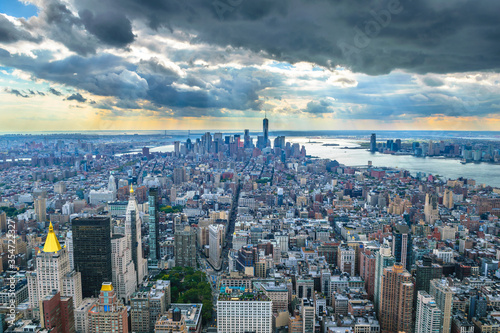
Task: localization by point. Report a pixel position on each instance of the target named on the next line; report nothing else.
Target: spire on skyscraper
(51, 243)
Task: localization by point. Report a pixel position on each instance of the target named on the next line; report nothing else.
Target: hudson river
(483, 173)
(450, 168)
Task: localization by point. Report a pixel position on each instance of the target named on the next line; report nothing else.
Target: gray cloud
(433, 81)
(76, 97)
(17, 93)
(113, 28)
(10, 33)
(55, 92)
(320, 107)
(420, 36)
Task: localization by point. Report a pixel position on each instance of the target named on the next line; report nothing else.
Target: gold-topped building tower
(53, 272)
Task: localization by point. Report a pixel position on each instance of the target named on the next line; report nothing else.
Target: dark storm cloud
(76, 97)
(55, 92)
(10, 33)
(82, 33)
(109, 75)
(372, 37)
(110, 27)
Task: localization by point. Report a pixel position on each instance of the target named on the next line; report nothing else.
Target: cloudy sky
(223, 64)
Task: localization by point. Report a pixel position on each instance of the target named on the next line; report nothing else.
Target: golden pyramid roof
(107, 286)
(51, 243)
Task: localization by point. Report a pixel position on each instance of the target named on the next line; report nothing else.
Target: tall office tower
(373, 143)
(396, 302)
(346, 259)
(3, 221)
(427, 271)
(428, 314)
(41, 209)
(177, 148)
(154, 228)
(265, 125)
(308, 312)
(92, 252)
(109, 314)
(367, 263)
(431, 211)
(246, 312)
(124, 277)
(69, 246)
(134, 236)
(185, 248)
(280, 196)
(443, 295)
(215, 243)
(448, 198)
(112, 187)
(246, 139)
(57, 315)
(53, 273)
(402, 245)
(383, 259)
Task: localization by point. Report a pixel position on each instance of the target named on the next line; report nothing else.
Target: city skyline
(284, 166)
(201, 66)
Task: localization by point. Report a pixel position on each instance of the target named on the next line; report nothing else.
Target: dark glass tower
(265, 124)
(154, 230)
(373, 143)
(92, 252)
(402, 245)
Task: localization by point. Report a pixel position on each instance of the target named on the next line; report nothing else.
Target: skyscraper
(396, 304)
(246, 139)
(402, 245)
(383, 259)
(185, 248)
(112, 185)
(109, 314)
(448, 198)
(373, 143)
(154, 228)
(216, 239)
(443, 295)
(41, 209)
(428, 314)
(431, 210)
(124, 275)
(134, 236)
(53, 272)
(265, 125)
(92, 252)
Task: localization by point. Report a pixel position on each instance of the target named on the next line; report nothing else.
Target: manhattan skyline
(122, 65)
